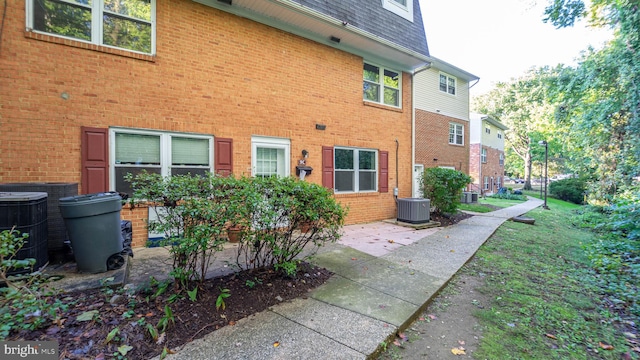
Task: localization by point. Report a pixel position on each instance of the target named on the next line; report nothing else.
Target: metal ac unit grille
(413, 210)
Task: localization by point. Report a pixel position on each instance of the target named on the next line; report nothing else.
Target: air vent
(413, 210)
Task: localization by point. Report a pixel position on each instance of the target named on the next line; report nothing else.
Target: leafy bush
(571, 190)
(23, 301)
(195, 213)
(509, 196)
(444, 188)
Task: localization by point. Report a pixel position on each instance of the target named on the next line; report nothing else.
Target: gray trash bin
(93, 224)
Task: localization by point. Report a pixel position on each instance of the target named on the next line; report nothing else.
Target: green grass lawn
(545, 294)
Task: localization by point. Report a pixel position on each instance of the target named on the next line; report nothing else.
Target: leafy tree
(522, 105)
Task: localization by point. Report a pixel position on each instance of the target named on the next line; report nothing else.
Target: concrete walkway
(383, 280)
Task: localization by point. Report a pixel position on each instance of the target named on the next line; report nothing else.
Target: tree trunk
(527, 170)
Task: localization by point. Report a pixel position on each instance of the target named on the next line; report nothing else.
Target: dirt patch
(250, 292)
(447, 329)
(449, 219)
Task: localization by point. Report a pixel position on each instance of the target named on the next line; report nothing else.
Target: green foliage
(509, 196)
(220, 304)
(572, 190)
(443, 187)
(195, 213)
(24, 301)
(166, 319)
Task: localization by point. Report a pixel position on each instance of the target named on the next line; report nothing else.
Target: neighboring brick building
(442, 118)
(486, 155)
(231, 86)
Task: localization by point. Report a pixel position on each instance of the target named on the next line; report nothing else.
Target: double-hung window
(157, 152)
(356, 170)
(448, 83)
(501, 159)
(456, 134)
(483, 155)
(270, 156)
(486, 183)
(123, 24)
(381, 85)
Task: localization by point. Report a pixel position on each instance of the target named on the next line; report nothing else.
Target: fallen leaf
(354, 259)
(432, 317)
(458, 351)
(232, 323)
(87, 315)
(276, 344)
(124, 349)
(403, 336)
(460, 342)
(396, 343)
(390, 241)
(605, 346)
(551, 336)
(446, 237)
(100, 356)
(421, 319)
(161, 338)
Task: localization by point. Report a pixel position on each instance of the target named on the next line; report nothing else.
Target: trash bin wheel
(115, 261)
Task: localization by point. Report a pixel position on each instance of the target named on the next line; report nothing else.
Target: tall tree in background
(598, 102)
(522, 105)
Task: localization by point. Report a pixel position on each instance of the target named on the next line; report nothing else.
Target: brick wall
(491, 168)
(214, 73)
(432, 142)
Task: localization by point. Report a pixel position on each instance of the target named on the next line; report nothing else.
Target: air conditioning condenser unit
(414, 210)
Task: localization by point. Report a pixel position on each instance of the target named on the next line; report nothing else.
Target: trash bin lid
(21, 196)
(90, 198)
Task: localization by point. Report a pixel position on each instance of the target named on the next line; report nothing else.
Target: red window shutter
(327, 167)
(94, 147)
(223, 153)
(384, 172)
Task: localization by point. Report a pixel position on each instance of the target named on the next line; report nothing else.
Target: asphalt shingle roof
(370, 16)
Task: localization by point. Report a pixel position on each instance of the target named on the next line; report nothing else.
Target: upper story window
(483, 155)
(499, 135)
(270, 156)
(456, 134)
(123, 24)
(487, 130)
(448, 83)
(381, 85)
(157, 152)
(402, 8)
(355, 170)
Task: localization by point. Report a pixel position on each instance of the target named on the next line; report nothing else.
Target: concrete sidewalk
(382, 282)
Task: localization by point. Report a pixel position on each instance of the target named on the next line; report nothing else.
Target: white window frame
(483, 155)
(501, 161)
(455, 133)
(447, 88)
(499, 182)
(403, 10)
(487, 130)
(165, 151)
(271, 143)
(486, 183)
(382, 86)
(97, 27)
(356, 170)
(499, 134)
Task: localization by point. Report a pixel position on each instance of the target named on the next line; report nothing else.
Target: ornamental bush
(571, 190)
(443, 187)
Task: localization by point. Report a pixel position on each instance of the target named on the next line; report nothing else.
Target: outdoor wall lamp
(305, 154)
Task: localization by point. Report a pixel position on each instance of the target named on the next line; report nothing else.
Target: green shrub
(571, 190)
(195, 214)
(443, 187)
(508, 196)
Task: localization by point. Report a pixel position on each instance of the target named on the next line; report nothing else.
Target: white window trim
(97, 11)
(381, 85)
(455, 79)
(483, 155)
(486, 183)
(356, 184)
(403, 11)
(455, 133)
(271, 143)
(165, 149)
(501, 160)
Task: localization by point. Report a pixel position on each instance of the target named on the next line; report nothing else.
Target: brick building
(486, 155)
(91, 92)
(442, 118)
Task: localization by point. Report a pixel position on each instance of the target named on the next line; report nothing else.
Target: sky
(498, 40)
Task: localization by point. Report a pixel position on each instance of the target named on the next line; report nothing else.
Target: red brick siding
(491, 168)
(432, 142)
(214, 73)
